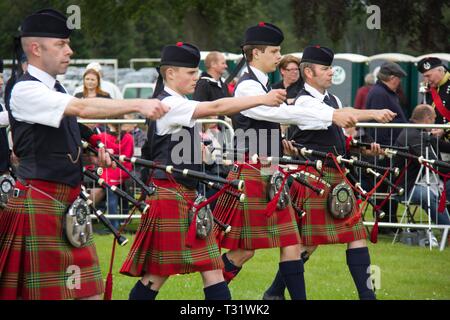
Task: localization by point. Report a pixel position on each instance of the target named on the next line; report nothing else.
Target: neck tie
(59, 87)
(268, 86)
(327, 100)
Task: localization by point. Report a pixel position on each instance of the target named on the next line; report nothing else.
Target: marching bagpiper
(163, 246)
(37, 261)
(328, 220)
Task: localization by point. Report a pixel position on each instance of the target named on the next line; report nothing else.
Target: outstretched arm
(96, 108)
(227, 106)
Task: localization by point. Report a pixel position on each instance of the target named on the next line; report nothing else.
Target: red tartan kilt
(251, 227)
(160, 246)
(318, 226)
(36, 260)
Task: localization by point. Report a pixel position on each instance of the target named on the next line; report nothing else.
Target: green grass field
(407, 272)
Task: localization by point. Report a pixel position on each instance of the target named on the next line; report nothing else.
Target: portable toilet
(417, 83)
(348, 75)
(407, 64)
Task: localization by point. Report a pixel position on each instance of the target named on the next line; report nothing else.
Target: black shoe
(267, 296)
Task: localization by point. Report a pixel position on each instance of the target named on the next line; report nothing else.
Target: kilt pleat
(251, 227)
(36, 260)
(318, 226)
(160, 244)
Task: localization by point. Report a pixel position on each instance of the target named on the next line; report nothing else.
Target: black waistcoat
(47, 153)
(160, 147)
(265, 131)
(330, 140)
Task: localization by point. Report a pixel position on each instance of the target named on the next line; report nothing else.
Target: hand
(344, 118)
(383, 116)
(288, 148)
(437, 132)
(103, 159)
(153, 109)
(275, 97)
(375, 150)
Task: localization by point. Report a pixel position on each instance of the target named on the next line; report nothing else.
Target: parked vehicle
(140, 90)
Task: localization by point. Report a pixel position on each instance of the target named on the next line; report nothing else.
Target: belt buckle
(16, 192)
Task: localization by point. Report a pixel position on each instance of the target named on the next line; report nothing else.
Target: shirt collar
(261, 76)
(444, 79)
(42, 76)
(315, 93)
(173, 92)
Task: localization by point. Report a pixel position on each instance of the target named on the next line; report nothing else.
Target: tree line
(127, 29)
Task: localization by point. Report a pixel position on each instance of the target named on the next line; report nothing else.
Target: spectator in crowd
(91, 86)
(119, 142)
(92, 89)
(292, 82)
(361, 94)
(383, 95)
(107, 86)
(210, 86)
(139, 135)
(417, 140)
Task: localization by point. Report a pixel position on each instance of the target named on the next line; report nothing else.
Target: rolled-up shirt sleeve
(33, 102)
(309, 115)
(4, 120)
(179, 115)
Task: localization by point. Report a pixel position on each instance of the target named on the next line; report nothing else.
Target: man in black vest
(258, 130)
(318, 226)
(163, 246)
(37, 259)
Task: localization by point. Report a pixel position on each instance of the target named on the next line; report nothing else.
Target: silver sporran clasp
(78, 224)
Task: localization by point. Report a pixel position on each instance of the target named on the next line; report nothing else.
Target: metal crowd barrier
(430, 182)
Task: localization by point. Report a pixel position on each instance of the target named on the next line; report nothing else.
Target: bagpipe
(77, 222)
(344, 161)
(341, 163)
(204, 218)
(200, 217)
(367, 167)
(391, 151)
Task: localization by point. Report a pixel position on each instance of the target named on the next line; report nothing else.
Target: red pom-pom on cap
(179, 44)
(261, 24)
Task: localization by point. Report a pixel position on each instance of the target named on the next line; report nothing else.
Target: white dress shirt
(316, 116)
(315, 101)
(179, 115)
(4, 120)
(38, 101)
